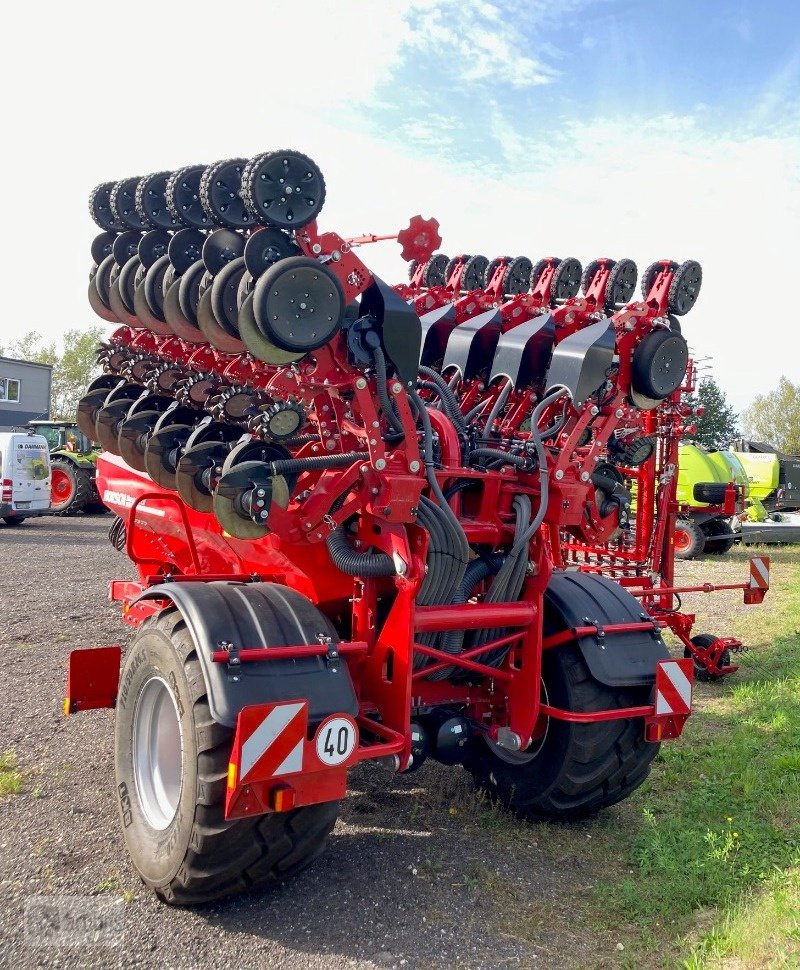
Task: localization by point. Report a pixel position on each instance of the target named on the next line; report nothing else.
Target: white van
(24, 476)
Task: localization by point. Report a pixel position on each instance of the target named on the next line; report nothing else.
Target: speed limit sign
(336, 740)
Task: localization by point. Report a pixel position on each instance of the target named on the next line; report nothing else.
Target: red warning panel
(674, 687)
(759, 572)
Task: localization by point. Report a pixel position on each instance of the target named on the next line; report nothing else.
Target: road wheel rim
(157, 753)
(62, 487)
(682, 540)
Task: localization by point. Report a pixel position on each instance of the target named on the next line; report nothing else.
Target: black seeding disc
(182, 193)
(621, 283)
(102, 278)
(100, 208)
(102, 246)
(474, 272)
(189, 290)
(126, 245)
(283, 189)
(298, 304)
(185, 248)
(103, 381)
(151, 206)
(567, 279)
(88, 406)
(265, 248)
(144, 314)
(219, 194)
(176, 321)
(239, 484)
(251, 449)
(215, 334)
(127, 281)
(123, 204)
(152, 246)
(210, 430)
(107, 422)
(132, 437)
(434, 272)
(224, 295)
(517, 278)
(116, 301)
(685, 287)
(99, 287)
(256, 342)
(154, 286)
(162, 452)
(220, 248)
(198, 469)
(246, 287)
(176, 413)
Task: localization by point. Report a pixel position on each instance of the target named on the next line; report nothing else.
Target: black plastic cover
(401, 331)
(472, 344)
(437, 325)
(574, 599)
(523, 353)
(582, 360)
(260, 615)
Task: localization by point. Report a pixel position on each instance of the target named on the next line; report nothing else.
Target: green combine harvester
(73, 463)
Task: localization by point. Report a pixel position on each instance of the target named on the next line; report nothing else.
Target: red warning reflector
(759, 572)
(674, 680)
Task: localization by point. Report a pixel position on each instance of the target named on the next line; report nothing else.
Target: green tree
(775, 418)
(73, 366)
(718, 425)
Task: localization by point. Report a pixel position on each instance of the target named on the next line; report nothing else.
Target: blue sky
(549, 127)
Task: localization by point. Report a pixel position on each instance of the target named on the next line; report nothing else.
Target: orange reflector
(67, 707)
(281, 799)
(655, 731)
(231, 774)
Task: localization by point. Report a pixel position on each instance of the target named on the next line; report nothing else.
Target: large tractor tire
(571, 770)
(690, 540)
(70, 487)
(171, 774)
(720, 537)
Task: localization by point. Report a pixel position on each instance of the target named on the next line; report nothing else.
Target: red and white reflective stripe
(673, 689)
(759, 573)
(276, 744)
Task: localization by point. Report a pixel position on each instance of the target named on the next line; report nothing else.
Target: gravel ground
(419, 873)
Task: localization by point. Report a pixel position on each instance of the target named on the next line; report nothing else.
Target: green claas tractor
(712, 488)
(73, 463)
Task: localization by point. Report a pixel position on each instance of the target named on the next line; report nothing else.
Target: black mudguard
(574, 599)
(437, 325)
(581, 361)
(523, 353)
(401, 331)
(472, 344)
(251, 615)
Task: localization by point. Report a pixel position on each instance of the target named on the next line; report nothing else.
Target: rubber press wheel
(171, 760)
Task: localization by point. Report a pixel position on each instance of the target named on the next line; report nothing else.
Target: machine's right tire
(199, 856)
(573, 770)
(720, 537)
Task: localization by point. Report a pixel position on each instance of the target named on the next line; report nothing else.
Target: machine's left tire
(171, 771)
(720, 537)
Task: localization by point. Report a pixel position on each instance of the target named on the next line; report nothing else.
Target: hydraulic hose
(449, 400)
(518, 461)
(381, 380)
(366, 564)
(290, 466)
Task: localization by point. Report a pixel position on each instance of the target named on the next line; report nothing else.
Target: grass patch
(716, 857)
(10, 775)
